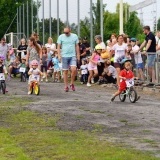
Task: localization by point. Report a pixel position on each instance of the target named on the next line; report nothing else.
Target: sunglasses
(66, 32)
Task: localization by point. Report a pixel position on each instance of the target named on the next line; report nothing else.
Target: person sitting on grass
(125, 74)
(34, 74)
(109, 74)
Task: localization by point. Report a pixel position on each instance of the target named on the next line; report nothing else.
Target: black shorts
(43, 68)
(100, 69)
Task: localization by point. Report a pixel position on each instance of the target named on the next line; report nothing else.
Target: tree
(133, 25)
(8, 11)
(96, 16)
(111, 24)
(54, 28)
(158, 24)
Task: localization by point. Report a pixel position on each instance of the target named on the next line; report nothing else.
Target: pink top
(96, 58)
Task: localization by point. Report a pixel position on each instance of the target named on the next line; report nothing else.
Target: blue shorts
(151, 60)
(15, 71)
(68, 62)
(139, 66)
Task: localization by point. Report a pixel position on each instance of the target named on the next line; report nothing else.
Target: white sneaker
(88, 85)
(42, 80)
(29, 92)
(92, 80)
(46, 80)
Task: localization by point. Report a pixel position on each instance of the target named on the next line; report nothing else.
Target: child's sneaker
(66, 89)
(72, 87)
(42, 80)
(46, 80)
(92, 80)
(112, 98)
(29, 92)
(88, 85)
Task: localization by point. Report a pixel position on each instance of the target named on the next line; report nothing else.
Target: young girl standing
(92, 66)
(44, 63)
(119, 51)
(56, 67)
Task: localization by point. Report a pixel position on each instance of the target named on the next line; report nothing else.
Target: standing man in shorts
(150, 44)
(68, 52)
(4, 50)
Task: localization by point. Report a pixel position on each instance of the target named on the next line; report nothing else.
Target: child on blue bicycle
(125, 74)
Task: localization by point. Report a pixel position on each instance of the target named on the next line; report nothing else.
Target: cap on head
(133, 39)
(125, 60)
(98, 47)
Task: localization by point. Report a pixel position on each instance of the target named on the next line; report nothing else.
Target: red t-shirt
(128, 75)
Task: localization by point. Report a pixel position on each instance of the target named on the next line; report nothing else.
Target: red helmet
(34, 63)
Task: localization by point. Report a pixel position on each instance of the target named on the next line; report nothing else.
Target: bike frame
(127, 91)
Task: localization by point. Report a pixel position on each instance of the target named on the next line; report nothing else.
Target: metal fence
(65, 10)
(156, 67)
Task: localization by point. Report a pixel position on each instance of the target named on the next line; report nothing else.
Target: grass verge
(27, 135)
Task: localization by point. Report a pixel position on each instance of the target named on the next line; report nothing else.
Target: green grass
(28, 135)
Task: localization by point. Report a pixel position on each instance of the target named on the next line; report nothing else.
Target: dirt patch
(134, 125)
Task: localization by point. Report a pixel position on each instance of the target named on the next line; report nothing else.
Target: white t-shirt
(51, 46)
(84, 69)
(120, 51)
(113, 71)
(137, 56)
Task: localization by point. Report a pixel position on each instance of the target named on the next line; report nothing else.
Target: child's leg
(141, 76)
(58, 75)
(90, 76)
(29, 88)
(118, 72)
(115, 95)
(95, 73)
(54, 76)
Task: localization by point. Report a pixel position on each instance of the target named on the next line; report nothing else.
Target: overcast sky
(85, 6)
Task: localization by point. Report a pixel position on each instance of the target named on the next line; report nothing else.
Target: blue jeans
(68, 62)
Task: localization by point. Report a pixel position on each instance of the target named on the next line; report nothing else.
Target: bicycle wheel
(36, 89)
(122, 96)
(31, 89)
(133, 95)
(3, 87)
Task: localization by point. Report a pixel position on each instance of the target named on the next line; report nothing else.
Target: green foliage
(133, 26)
(46, 28)
(8, 10)
(158, 24)
(111, 24)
